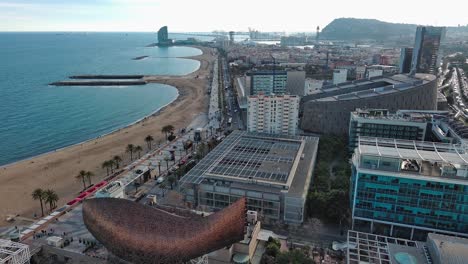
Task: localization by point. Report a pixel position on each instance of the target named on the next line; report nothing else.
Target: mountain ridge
(360, 28)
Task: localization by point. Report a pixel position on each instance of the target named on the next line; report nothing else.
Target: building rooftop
(451, 250)
(245, 157)
(276, 72)
(371, 248)
(401, 115)
(413, 159)
(12, 252)
(408, 149)
(374, 86)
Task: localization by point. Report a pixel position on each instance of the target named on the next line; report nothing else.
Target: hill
(355, 28)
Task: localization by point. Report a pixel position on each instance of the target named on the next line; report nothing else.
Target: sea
(37, 118)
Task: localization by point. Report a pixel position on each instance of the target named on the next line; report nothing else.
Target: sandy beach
(57, 170)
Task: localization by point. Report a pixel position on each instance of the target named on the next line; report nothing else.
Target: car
(159, 180)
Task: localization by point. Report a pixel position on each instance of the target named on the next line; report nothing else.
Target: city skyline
(147, 15)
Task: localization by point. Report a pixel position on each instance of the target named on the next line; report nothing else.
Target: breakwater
(97, 83)
(106, 77)
(140, 57)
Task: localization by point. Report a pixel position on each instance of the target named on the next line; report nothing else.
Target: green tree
(148, 140)
(166, 159)
(112, 164)
(106, 165)
(89, 175)
(171, 179)
(167, 129)
(82, 175)
(117, 160)
(130, 149)
(51, 197)
(272, 250)
(171, 136)
(38, 194)
(138, 149)
(163, 186)
(293, 256)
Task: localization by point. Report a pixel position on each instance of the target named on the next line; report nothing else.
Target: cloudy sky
(208, 15)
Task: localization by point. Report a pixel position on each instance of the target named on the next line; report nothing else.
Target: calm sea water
(36, 118)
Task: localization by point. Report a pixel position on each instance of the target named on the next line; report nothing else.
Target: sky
(209, 15)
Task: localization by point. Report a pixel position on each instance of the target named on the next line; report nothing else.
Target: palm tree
(117, 160)
(106, 165)
(83, 176)
(130, 149)
(51, 197)
(167, 129)
(89, 175)
(38, 194)
(138, 149)
(111, 164)
(148, 140)
(171, 180)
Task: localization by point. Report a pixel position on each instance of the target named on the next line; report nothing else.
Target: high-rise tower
(405, 60)
(426, 52)
(317, 34)
(163, 37)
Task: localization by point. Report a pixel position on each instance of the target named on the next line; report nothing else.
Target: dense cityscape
(319, 147)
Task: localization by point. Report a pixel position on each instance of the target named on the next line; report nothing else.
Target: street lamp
(159, 168)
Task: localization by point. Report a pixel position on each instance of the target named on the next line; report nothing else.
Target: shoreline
(56, 169)
(155, 112)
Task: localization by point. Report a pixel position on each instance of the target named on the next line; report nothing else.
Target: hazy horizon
(207, 16)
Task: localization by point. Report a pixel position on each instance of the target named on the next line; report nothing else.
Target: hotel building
(408, 188)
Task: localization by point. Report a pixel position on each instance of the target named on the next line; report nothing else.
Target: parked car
(159, 180)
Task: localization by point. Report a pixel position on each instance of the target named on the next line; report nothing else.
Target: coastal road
(233, 110)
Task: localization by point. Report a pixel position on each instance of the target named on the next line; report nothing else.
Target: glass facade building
(404, 124)
(426, 52)
(405, 60)
(408, 188)
(268, 82)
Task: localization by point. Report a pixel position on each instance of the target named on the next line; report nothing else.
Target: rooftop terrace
(377, 249)
(370, 248)
(412, 157)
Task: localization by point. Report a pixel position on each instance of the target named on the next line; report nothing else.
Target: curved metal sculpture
(142, 234)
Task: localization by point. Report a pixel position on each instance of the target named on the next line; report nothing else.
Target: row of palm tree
(112, 164)
(85, 175)
(149, 139)
(45, 197)
(132, 149)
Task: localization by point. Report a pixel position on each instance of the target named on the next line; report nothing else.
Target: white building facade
(273, 114)
(340, 76)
